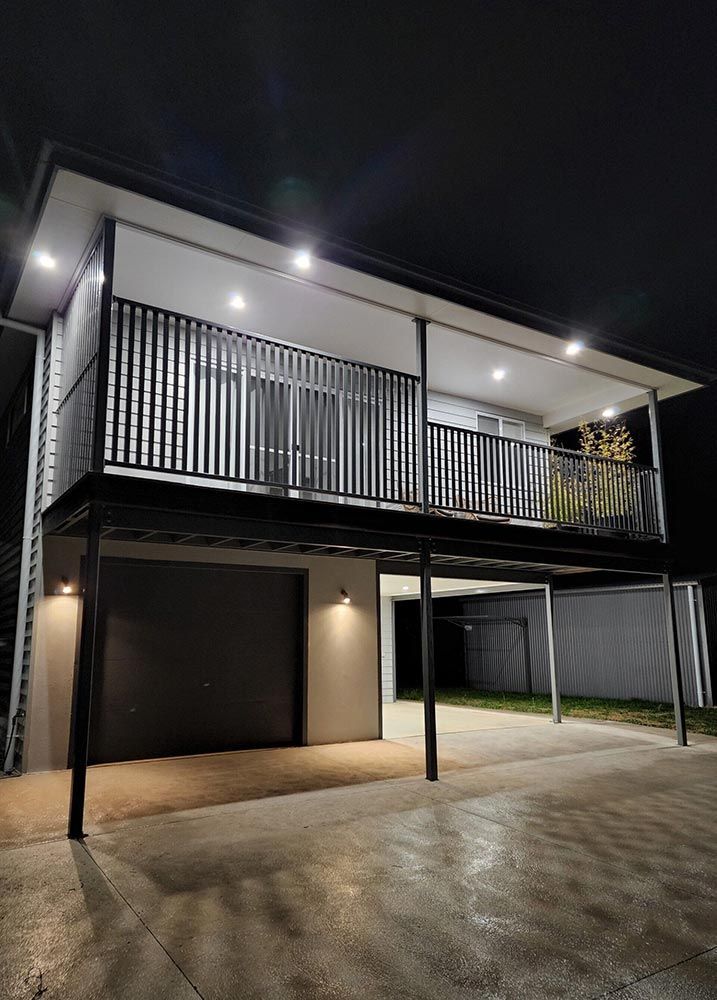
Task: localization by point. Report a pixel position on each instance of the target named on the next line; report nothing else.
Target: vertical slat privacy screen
(80, 343)
(189, 397)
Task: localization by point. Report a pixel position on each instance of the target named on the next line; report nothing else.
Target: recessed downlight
(45, 260)
(237, 301)
(609, 411)
(302, 260)
(499, 374)
(574, 347)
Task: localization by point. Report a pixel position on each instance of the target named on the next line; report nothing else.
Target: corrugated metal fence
(610, 643)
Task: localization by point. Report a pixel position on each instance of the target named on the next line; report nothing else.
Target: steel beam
(674, 660)
(428, 664)
(554, 683)
(80, 729)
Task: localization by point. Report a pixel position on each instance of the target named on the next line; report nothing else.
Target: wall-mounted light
(574, 347)
(65, 587)
(345, 599)
(609, 412)
(302, 260)
(237, 302)
(45, 260)
(499, 374)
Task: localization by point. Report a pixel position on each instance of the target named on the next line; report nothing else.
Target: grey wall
(610, 643)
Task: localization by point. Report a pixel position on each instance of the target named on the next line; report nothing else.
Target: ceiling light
(345, 599)
(406, 587)
(499, 374)
(609, 412)
(45, 260)
(237, 302)
(303, 260)
(65, 585)
(574, 347)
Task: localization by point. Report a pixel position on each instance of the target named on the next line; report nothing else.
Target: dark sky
(559, 154)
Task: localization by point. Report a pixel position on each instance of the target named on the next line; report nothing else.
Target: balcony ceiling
(330, 307)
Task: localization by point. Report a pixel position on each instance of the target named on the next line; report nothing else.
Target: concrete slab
(405, 718)
(572, 861)
(67, 933)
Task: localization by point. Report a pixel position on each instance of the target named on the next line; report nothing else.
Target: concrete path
(405, 718)
(571, 861)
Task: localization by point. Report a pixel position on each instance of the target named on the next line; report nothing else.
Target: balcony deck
(196, 403)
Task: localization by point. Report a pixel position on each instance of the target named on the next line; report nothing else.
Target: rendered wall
(343, 689)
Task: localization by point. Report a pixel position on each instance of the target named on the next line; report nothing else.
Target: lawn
(640, 713)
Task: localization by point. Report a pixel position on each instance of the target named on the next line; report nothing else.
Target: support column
(526, 657)
(550, 616)
(656, 442)
(674, 660)
(80, 732)
(103, 346)
(422, 414)
(427, 660)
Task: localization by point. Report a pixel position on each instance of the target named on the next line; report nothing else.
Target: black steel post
(554, 684)
(674, 660)
(427, 659)
(103, 347)
(526, 657)
(80, 734)
(656, 443)
(422, 413)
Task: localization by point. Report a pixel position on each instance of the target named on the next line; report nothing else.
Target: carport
(102, 508)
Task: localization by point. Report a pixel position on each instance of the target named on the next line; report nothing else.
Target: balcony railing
(484, 474)
(200, 400)
(189, 398)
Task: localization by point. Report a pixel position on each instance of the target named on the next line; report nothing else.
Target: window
(490, 423)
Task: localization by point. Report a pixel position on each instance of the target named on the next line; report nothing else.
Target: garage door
(196, 659)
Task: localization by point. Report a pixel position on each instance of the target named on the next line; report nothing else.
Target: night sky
(557, 154)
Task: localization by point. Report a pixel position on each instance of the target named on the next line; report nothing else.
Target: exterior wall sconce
(65, 587)
(345, 599)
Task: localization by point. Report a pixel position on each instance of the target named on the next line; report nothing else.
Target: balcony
(192, 401)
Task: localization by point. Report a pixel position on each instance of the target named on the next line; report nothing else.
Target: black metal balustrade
(190, 397)
(502, 477)
(186, 397)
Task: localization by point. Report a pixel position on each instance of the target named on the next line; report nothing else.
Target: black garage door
(196, 659)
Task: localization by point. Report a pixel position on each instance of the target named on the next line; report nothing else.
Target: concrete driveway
(405, 718)
(550, 861)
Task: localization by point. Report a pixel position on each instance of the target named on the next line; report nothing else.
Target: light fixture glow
(609, 412)
(574, 347)
(45, 260)
(499, 374)
(406, 587)
(345, 599)
(302, 260)
(65, 585)
(237, 302)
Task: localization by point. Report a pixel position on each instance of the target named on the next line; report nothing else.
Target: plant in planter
(583, 492)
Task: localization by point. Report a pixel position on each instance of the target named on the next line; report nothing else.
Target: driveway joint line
(657, 972)
(146, 926)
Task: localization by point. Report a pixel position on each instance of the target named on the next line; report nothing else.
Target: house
(235, 426)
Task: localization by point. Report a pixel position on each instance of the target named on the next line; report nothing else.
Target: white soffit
(409, 586)
(75, 203)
